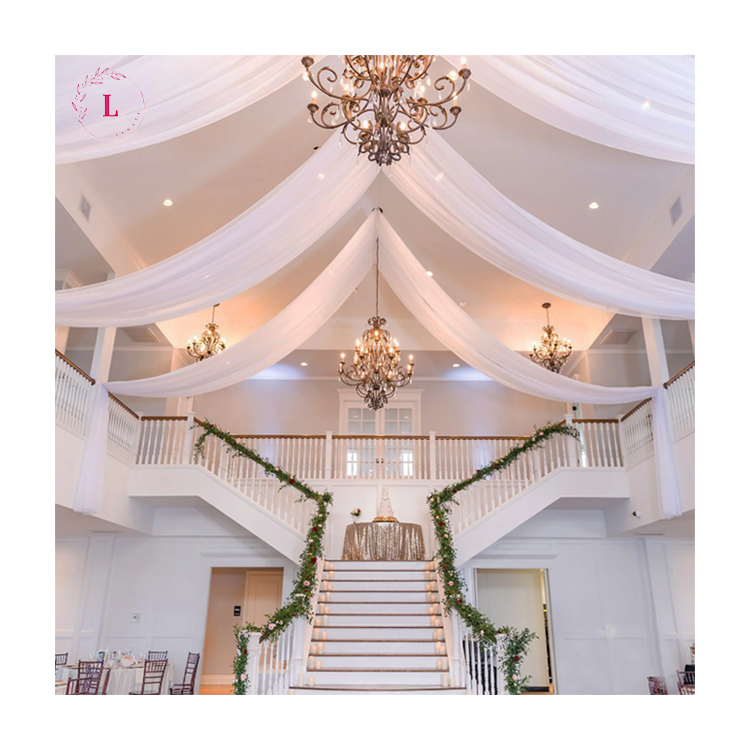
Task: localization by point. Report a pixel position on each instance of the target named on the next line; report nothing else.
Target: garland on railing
(298, 604)
(515, 644)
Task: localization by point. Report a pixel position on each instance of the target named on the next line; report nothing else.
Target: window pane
(355, 414)
(391, 414)
(404, 414)
(391, 428)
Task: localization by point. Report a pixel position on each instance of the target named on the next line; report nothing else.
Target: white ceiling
(217, 172)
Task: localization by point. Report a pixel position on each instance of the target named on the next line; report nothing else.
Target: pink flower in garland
(307, 583)
(243, 677)
(450, 583)
(271, 626)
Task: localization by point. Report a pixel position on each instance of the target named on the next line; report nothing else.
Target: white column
(103, 350)
(691, 323)
(64, 279)
(181, 405)
(655, 351)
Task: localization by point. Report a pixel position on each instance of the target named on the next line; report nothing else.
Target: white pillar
(655, 351)
(691, 326)
(101, 362)
(64, 279)
(180, 405)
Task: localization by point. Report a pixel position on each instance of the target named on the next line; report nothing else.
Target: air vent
(617, 338)
(676, 211)
(84, 208)
(141, 335)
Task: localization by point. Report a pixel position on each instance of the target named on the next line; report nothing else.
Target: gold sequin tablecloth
(383, 540)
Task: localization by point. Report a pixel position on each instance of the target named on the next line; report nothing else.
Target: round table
(383, 540)
(122, 680)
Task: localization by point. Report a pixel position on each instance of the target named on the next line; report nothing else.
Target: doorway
(236, 596)
(520, 598)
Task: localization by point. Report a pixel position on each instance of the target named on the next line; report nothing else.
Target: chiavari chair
(91, 670)
(61, 660)
(187, 686)
(158, 655)
(153, 677)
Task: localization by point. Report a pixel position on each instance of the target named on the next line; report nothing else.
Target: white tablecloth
(122, 680)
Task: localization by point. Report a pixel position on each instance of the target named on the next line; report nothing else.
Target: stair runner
(378, 629)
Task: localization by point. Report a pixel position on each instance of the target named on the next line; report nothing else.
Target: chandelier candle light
(376, 372)
(382, 106)
(210, 342)
(551, 352)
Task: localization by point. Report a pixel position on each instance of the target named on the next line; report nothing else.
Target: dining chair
(686, 683)
(91, 671)
(187, 686)
(105, 684)
(153, 677)
(78, 686)
(657, 686)
(158, 655)
(61, 660)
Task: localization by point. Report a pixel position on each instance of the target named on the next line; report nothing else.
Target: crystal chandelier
(376, 372)
(210, 342)
(382, 106)
(551, 352)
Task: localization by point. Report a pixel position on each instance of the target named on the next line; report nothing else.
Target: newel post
(328, 471)
(433, 456)
(187, 451)
(571, 458)
(253, 661)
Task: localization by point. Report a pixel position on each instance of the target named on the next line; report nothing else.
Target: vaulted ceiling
(215, 173)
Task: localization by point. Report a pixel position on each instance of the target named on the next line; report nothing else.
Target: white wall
(620, 610)
(294, 407)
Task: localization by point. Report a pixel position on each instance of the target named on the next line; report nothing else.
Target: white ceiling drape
(440, 182)
(181, 92)
(264, 347)
(244, 252)
(644, 104)
(450, 325)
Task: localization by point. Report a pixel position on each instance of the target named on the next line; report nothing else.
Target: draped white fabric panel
(644, 104)
(441, 183)
(241, 254)
(271, 342)
(448, 323)
(181, 92)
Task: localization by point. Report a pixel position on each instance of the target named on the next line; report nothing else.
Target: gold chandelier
(551, 352)
(376, 372)
(210, 342)
(382, 106)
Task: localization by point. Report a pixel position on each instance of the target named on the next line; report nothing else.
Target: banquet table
(122, 680)
(383, 540)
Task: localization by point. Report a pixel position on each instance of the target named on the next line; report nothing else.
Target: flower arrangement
(356, 513)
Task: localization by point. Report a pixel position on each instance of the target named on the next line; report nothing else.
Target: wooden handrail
(277, 437)
(75, 367)
(124, 406)
(598, 421)
(163, 419)
(635, 409)
(679, 375)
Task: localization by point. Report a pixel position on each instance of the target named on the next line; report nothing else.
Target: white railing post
(433, 456)
(253, 661)
(328, 470)
(571, 458)
(187, 450)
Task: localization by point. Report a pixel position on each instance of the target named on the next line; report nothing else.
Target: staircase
(378, 629)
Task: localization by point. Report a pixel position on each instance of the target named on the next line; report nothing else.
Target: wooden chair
(158, 655)
(92, 672)
(187, 686)
(686, 683)
(107, 671)
(80, 686)
(657, 686)
(61, 660)
(153, 677)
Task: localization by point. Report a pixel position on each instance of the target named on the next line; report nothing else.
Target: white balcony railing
(72, 389)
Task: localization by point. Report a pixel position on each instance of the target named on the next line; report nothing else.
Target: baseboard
(217, 679)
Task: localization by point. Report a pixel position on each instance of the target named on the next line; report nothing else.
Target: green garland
(515, 644)
(303, 588)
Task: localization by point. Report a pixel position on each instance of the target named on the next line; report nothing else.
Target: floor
(217, 690)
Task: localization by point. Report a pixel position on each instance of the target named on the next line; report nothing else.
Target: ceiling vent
(617, 337)
(676, 211)
(84, 207)
(141, 335)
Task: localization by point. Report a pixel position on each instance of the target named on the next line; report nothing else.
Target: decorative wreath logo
(134, 98)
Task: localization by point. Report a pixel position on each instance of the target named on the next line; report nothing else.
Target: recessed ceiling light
(303, 364)
(167, 202)
(455, 364)
(462, 304)
(429, 273)
(594, 205)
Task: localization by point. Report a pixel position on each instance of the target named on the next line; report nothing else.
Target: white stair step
(381, 631)
(380, 565)
(379, 575)
(338, 585)
(378, 661)
(414, 597)
(383, 620)
(333, 647)
(362, 677)
(379, 608)
(380, 690)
